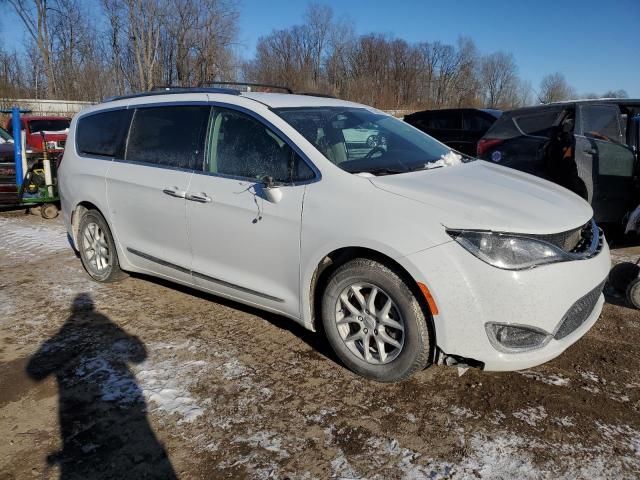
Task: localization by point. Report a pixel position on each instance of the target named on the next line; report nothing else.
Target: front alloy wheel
(374, 321)
(370, 324)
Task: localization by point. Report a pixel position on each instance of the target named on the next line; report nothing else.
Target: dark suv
(458, 128)
(588, 146)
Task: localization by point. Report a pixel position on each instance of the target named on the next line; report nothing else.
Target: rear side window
(539, 124)
(169, 136)
(475, 122)
(103, 134)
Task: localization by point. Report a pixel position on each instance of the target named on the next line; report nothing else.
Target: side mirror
(272, 192)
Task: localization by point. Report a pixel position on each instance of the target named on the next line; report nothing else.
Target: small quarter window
(103, 134)
(169, 136)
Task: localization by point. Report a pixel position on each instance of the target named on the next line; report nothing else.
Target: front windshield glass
(359, 140)
(61, 126)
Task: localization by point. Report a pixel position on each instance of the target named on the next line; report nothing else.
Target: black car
(458, 128)
(8, 191)
(587, 146)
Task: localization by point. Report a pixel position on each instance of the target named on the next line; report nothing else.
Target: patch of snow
(27, 242)
(449, 159)
(342, 468)
(592, 377)
(531, 415)
(463, 412)
(557, 380)
(389, 451)
(498, 457)
(322, 415)
(165, 385)
(565, 421)
(265, 440)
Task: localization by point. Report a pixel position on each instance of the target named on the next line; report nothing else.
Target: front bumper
(470, 293)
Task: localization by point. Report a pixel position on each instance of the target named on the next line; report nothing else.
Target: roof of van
(272, 100)
(283, 100)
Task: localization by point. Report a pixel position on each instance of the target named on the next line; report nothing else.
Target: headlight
(510, 252)
(514, 338)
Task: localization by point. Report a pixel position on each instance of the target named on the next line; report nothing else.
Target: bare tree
(554, 88)
(499, 79)
(615, 94)
(35, 17)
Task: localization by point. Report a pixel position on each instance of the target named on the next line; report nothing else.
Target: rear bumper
(469, 293)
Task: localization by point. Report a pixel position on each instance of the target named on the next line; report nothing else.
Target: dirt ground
(143, 379)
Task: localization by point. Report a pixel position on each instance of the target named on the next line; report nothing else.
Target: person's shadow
(103, 416)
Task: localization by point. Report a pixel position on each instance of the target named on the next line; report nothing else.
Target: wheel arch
(76, 215)
(340, 256)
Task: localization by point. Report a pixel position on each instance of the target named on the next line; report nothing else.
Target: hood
(482, 196)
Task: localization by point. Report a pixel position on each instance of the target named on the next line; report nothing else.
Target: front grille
(579, 312)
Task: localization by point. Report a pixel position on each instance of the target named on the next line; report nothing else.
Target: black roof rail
(170, 89)
(249, 84)
(312, 94)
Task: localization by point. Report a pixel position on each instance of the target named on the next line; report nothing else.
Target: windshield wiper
(382, 171)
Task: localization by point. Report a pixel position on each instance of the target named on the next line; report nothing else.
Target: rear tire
(633, 293)
(622, 274)
(97, 249)
(374, 322)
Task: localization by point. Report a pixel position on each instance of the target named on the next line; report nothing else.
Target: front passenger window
(241, 146)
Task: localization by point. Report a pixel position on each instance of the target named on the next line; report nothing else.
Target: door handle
(174, 192)
(590, 151)
(198, 197)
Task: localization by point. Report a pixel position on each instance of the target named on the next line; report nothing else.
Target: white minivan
(402, 254)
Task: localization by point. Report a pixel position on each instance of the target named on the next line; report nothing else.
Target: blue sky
(594, 43)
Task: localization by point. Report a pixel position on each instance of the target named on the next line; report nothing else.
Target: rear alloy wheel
(97, 249)
(374, 322)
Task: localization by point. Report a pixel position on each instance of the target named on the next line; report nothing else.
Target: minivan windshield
(359, 140)
(49, 125)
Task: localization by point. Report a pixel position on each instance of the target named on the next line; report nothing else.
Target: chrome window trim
(305, 158)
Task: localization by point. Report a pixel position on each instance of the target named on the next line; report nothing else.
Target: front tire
(97, 249)
(374, 322)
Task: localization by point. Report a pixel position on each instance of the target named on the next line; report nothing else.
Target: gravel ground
(142, 379)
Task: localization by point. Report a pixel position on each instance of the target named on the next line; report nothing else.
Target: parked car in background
(6, 145)
(8, 190)
(403, 254)
(363, 136)
(54, 129)
(588, 146)
(458, 128)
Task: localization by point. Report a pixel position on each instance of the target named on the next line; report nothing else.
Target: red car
(55, 131)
